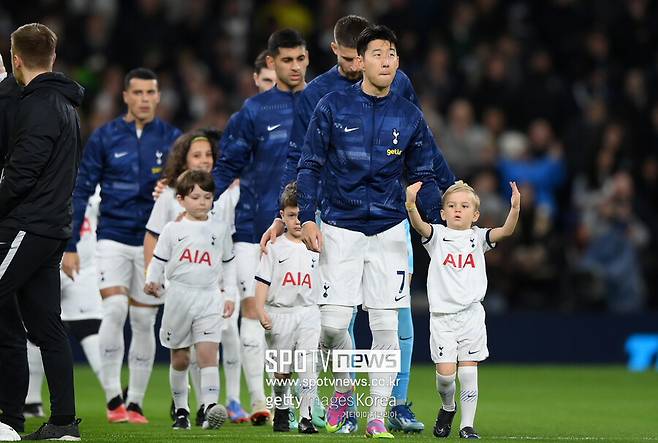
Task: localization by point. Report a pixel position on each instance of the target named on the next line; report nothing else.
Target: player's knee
(115, 309)
(142, 319)
(180, 359)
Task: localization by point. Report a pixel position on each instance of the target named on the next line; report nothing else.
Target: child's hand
(516, 196)
(152, 288)
(265, 321)
(412, 190)
(229, 307)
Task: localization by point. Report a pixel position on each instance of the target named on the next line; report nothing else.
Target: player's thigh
(114, 264)
(341, 266)
(473, 335)
(247, 258)
(385, 276)
(443, 339)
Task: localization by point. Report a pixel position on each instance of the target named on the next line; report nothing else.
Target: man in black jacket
(35, 222)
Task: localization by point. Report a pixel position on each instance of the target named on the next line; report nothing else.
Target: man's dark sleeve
(37, 131)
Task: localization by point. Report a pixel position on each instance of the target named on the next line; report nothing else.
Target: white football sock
(334, 334)
(179, 389)
(36, 373)
(91, 349)
(209, 385)
(384, 327)
(110, 340)
(195, 376)
(468, 387)
(445, 386)
(252, 337)
(141, 353)
(231, 358)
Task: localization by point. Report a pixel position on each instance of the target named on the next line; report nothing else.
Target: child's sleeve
(435, 233)
(230, 272)
(159, 215)
(161, 255)
(265, 267)
(482, 236)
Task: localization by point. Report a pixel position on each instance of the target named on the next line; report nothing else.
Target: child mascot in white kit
(456, 285)
(195, 254)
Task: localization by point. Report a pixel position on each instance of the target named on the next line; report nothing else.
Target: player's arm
(497, 234)
(422, 227)
(313, 158)
(263, 281)
(419, 167)
(155, 273)
(229, 275)
(235, 155)
(150, 240)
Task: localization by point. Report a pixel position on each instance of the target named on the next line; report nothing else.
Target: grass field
(536, 403)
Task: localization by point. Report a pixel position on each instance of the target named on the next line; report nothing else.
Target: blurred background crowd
(559, 95)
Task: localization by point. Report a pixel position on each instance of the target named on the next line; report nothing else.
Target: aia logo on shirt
(195, 256)
(291, 279)
(459, 261)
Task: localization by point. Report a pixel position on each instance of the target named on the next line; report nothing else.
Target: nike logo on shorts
(473, 352)
(447, 239)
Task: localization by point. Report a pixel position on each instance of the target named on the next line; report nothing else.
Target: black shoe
(182, 419)
(200, 416)
(281, 420)
(49, 431)
(443, 423)
(306, 426)
(172, 410)
(468, 432)
(31, 410)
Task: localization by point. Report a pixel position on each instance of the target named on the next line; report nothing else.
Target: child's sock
(445, 386)
(468, 384)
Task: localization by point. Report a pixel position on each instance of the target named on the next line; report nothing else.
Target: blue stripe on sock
(406, 335)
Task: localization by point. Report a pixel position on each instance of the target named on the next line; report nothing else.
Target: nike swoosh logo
(182, 238)
(400, 298)
(120, 154)
(473, 352)
(272, 128)
(447, 239)
(281, 261)
(351, 129)
(207, 332)
(405, 338)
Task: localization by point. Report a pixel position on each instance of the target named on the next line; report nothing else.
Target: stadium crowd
(560, 96)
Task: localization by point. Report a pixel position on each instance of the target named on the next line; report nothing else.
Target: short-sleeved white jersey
(192, 253)
(290, 271)
(457, 276)
(86, 246)
(167, 209)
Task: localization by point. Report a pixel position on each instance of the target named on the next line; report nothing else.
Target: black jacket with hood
(10, 93)
(43, 158)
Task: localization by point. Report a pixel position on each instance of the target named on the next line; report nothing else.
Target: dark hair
(347, 30)
(35, 44)
(140, 73)
(284, 38)
(260, 63)
(189, 179)
(374, 32)
(288, 196)
(177, 158)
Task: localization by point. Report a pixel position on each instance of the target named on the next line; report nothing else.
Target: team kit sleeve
(482, 235)
(265, 267)
(89, 175)
(419, 167)
(236, 154)
(313, 158)
(35, 138)
(161, 256)
(303, 113)
(430, 242)
(159, 215)
(230, 272)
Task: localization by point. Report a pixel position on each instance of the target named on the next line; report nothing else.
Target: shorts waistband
(175, 284)
(288, 309)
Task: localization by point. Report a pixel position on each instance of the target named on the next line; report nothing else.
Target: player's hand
(160, 186)
(265, 321)
(152, 288)
(312, 237)
(229, 307)
(515, 201)
(275, 229)
(71, 264)
(412, 191)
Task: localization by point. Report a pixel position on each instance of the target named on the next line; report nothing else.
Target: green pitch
(535, 403)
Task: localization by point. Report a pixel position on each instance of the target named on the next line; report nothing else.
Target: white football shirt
(290, 270)
(86, 246)
(192, 253)
(457, 275)
(167, 209)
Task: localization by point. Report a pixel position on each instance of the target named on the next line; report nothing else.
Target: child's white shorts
(461, 336)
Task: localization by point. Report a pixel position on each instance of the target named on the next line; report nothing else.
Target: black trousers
(30, 299)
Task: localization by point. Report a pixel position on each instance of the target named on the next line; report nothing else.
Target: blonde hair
(458, 186)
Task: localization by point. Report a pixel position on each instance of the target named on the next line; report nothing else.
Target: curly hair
(177, 158)
(288, 196)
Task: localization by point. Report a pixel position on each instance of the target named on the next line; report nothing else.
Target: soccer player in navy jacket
(364, 142)
(255, 152)
(126, 156)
